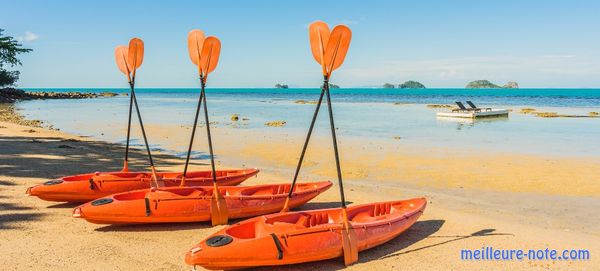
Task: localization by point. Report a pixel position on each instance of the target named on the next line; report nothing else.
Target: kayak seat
(121, 176)
(303, 220)
(371, 213)
(302, 187)
(131, 195)
(185, 192)
(316, 219)
(266, 190)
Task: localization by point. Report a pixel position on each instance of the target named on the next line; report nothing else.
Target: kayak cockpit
(384, 211)
(284, 223)
(180, 192)
(290, 223)
(280, 189)
(208, 174)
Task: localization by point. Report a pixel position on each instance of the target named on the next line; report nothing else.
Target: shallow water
(368, 113)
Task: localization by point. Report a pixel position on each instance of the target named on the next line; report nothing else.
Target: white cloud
(28, 37)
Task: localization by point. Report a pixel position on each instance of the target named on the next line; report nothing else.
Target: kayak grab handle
(278, 245)
(147, 202)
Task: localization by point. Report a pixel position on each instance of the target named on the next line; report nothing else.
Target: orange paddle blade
(135, 54)
(318, 34)
(218, 208)
(211, 49)
(121, 59)
(337, 47)
(195, 42)
(349, 241)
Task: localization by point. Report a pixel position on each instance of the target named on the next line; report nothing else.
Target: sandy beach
(475, 199)
(431, 135)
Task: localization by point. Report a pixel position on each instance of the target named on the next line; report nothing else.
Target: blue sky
(440, 43)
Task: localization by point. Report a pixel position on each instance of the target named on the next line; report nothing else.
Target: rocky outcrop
(488, 84)
(511, 84)
(411, 84)
(8, 113)
(388, 85)
(281, 86)
(10, 95)
(481, 84)
(305, 102)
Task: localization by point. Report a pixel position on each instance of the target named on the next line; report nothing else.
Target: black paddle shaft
(139, 115)
(324, 90)
(131, 86)
(335, 146)
(210, 147)
(187, 159)
(312, 125)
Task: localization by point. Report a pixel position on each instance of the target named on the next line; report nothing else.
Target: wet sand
(476, 199)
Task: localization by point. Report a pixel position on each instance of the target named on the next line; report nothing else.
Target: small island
(488, 84)
(333, 85)
(511, 84)
(281, 86)
(388, 85)
(481, 84)
(411, 84)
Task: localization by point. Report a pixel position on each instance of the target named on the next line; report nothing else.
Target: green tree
(9, 49)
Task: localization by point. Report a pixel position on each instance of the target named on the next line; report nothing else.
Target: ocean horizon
(555, 97)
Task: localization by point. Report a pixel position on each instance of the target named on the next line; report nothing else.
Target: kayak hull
(306, 236)
(192, 204)
(91, 186)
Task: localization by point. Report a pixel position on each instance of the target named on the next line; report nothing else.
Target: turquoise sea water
(366, 113)
(539, 97)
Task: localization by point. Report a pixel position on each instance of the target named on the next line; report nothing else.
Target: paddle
(129, 59)
(205, 54)
(195, 42)
(121, 59)
(329, 50)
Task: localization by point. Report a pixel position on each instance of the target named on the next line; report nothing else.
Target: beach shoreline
(457, 213)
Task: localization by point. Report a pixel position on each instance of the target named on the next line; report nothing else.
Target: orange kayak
(88, 187)
(192, 204)
(306, 236)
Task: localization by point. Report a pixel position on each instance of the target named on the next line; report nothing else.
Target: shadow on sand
(481, 233)
(64, 205)
(12, 221)
(394, 248)
(155, 227)
(52, 157)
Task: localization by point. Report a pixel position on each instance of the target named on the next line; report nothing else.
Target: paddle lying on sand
(204, 53)
(329, 49)
(129, 59)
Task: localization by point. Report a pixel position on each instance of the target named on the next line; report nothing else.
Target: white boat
(472, 114)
